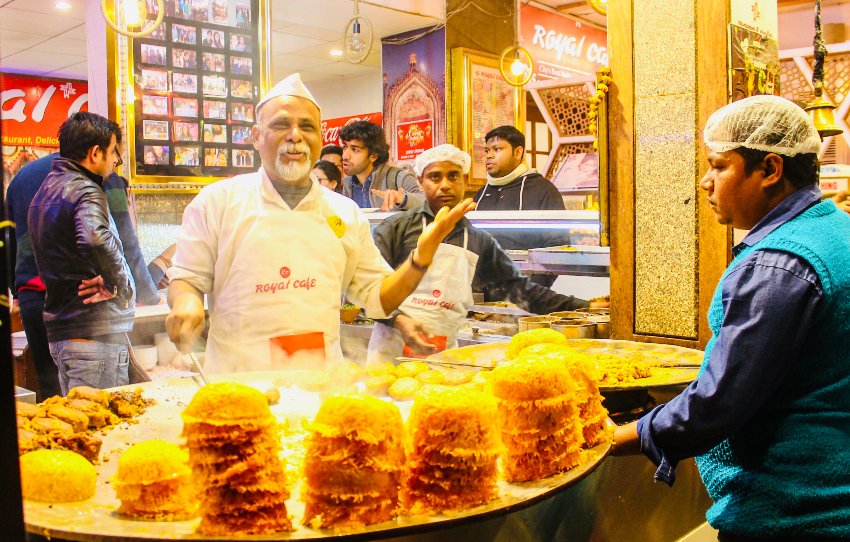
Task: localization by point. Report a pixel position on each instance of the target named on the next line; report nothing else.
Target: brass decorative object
(599, 6)
(821, 109)
(134, 13)
(515, 62)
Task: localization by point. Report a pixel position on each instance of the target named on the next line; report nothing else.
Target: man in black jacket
(90, 292)
(512, 185)
(468, 258)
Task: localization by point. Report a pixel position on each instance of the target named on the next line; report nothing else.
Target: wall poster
(196, 80)
(753, 63)
(482, 100)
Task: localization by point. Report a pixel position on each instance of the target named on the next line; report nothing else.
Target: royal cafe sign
(33, 109)
(561, 47)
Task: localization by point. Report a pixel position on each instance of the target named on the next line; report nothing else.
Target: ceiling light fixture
(133, 14)
(336, 53)
(516, 64)
(357, 37)
(64, 6)
(821, 109)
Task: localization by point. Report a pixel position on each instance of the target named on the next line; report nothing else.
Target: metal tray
(96, 519)
(670, 365)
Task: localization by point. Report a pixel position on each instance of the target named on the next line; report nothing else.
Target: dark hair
(330, 171)
(330, 149)
(800, 170)
(508, 133)
(84, 130)
(371, 135)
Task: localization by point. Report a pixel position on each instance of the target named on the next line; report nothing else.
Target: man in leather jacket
(90, 292)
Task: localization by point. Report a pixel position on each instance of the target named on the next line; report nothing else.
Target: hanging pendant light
(821, 109)
(515, 62)
(133, 15)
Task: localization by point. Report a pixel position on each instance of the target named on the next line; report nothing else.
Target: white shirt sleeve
(365, 270)
(194, 260)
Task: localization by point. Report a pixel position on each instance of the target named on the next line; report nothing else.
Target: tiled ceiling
(39, 39)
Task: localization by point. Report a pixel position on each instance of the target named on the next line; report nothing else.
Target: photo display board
(197, 78)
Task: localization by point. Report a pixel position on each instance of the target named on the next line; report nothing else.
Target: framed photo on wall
(482, 100)
(195, 80)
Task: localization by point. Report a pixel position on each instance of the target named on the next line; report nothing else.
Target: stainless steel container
(535, 322)
(571, 315)
(596, 310)
(576, 329)
(603, 325)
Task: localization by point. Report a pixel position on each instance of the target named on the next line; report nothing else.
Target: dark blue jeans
(32, 307)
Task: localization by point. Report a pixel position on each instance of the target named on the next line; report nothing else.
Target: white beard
(293, 171)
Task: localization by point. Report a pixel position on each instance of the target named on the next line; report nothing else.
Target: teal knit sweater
(787, 471)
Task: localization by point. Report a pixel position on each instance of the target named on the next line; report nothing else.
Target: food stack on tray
(233, 451)
(528, 419)
(454, 446)
(353, 463)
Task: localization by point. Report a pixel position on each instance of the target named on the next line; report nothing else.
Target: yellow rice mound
(57, 476)
(152, 461)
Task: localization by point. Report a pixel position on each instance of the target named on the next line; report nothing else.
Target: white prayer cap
(763, 123)
(442, 153)
(291, 86)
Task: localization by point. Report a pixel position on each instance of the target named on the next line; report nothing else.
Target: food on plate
(273, 395)
(353, 463)
(454, 448)
(57, 476)
(77, 420)
(234, 448)
(29, 410)
(410, 368)
(154, 481)
(538, 418)
(524, 339)
(92, 394)
(378, 384)
(404, 389)
(431, 376)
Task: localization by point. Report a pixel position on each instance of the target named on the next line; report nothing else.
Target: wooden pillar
(668, 62)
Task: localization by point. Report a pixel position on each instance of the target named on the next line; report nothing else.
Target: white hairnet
(763, 123)
(442, 153)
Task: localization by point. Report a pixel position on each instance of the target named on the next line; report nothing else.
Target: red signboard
(562, 47)
(413, 138)
(331, 127)
(33, 109)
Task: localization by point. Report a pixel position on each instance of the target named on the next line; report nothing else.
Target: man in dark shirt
(512, 185)
(90, 301)
(29, 288)
(767, 417)
(468, 258)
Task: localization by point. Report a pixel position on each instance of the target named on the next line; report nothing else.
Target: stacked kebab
(454, 447)
(353, 464)
(234, 450)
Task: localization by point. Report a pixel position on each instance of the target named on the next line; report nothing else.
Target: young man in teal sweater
(768, 417)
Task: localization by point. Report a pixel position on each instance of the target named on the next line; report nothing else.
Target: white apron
(440, 302)
(279, 305)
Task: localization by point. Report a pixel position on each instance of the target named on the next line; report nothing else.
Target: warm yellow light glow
(336, 53)
(64, 6)
(518, 67)
(130, 11)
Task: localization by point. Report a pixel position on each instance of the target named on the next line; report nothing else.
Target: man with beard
(274, 251)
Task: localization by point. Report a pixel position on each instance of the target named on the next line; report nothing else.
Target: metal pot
(596, 310)
(535, 322)
(576, 329)
(570, 315)
(603, 325)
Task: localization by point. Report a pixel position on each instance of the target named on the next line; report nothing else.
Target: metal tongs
(194, 359)
(445, 362)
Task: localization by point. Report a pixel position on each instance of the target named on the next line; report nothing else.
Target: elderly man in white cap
(275, 250)
(429, 319)
(769, 415)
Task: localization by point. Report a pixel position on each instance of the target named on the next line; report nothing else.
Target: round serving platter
(96, 520)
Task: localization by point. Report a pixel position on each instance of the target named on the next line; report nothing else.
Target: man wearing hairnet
(768, 418)
(429, 319)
